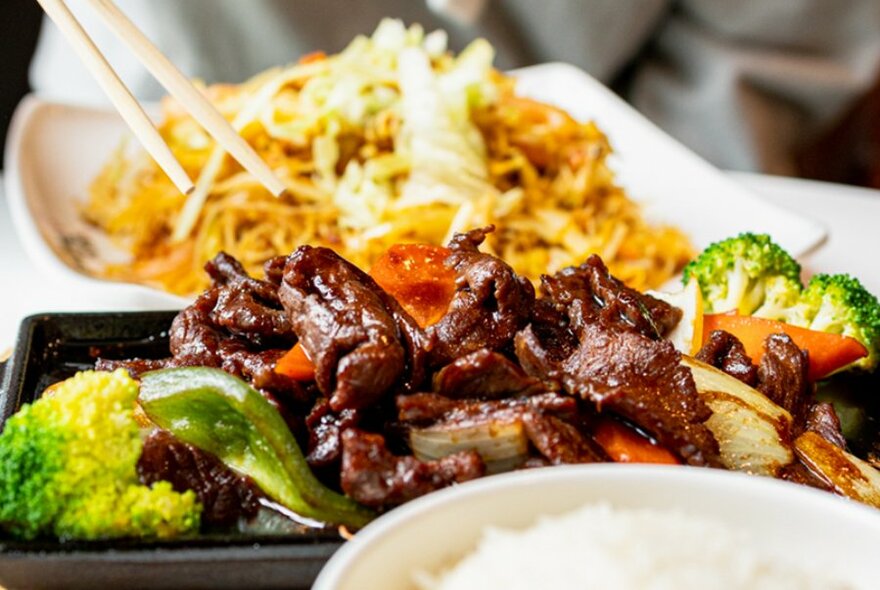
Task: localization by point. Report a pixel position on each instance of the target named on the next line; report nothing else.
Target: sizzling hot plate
(53, 347)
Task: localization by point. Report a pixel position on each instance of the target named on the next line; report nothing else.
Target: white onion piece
(503, 446)
(750, 429)
(847, 474)
(687, 336)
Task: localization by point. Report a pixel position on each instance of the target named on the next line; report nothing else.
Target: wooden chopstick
(128, 107)
(187, 95)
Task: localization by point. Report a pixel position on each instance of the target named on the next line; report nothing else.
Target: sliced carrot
(624, 445)
(828, 352)
(417, 277)
(296, 364)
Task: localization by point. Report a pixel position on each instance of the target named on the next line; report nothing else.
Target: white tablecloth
(851, 215)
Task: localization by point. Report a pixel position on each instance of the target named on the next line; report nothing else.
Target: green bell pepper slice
(221, 414)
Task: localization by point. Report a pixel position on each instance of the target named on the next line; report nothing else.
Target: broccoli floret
(748, 273)
(68, 467)
(839, 304)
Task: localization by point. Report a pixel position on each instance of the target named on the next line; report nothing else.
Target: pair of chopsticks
(168, 76)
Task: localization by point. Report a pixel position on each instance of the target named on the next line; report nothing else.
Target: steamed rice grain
(599, 547)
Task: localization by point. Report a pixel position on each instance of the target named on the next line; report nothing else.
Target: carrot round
(296, 364)
(416, 275)
(828, 352)
(625, 445)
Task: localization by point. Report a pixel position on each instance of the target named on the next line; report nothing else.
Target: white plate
(800, 524)
(55, 150)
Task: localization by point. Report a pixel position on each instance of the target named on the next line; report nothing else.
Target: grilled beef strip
(726, 353)
(643, 380)
(782, 377)
(824, 421)
(589, 293)
(236, 325)
(225, 495)
(325, 428)
(600, 340)
(485, 374)
(560, 442)
(433, 408)
(361, 341)
(246, 306)
(490, 305)
(375, 477)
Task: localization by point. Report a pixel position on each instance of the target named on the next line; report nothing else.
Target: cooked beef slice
(782, 377)
(363, 344)
(726, 353)
(642, 380)
(823, 420)
(425, 408)
(560, 442)
(325, 429)
(375, 477)
(588, 293)
(246, 306)
(225, 495)
(601, 341)
(491, 302)
(484, 374)
(197, 341)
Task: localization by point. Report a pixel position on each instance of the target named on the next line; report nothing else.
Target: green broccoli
(749, 274)
(68, 467)
(839, 304)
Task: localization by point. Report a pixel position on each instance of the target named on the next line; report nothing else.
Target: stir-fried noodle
(391, 140)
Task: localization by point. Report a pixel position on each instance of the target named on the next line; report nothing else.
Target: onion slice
(502, 445)
(752, 432)
(687, 336)
(848, 475)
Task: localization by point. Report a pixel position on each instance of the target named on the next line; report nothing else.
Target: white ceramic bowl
(805, 525)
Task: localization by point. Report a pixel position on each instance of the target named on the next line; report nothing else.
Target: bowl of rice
(612, 526)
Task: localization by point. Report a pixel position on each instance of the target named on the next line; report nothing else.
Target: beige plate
(55, 150)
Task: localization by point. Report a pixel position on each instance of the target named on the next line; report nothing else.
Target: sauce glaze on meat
(585, 345)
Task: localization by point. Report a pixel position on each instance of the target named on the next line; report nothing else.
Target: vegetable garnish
(844, 472)
(417, 277)
(226, 417)
(625, 445)
(67, 467)
(296, 364)
(752, 432)
(828, 352)
(749, 275)
(840, 304)
(502, 445)
(687, 336)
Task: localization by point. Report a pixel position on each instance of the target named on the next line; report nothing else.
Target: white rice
(598, 547)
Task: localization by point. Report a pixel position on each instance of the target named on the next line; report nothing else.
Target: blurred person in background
(747, 84)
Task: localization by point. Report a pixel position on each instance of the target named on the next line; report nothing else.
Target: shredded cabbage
(392, 140)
